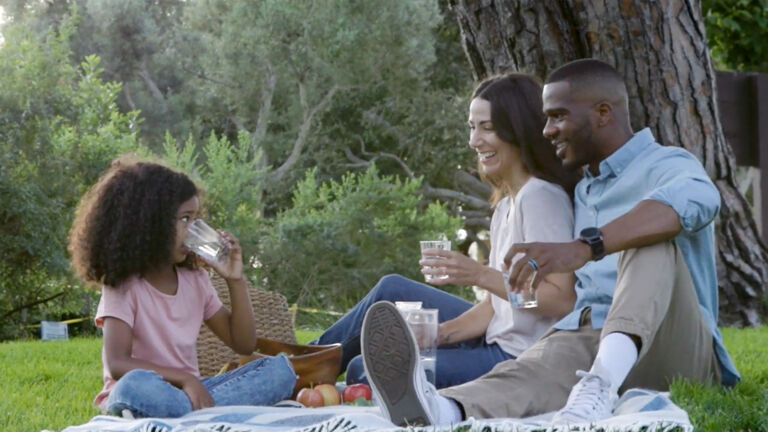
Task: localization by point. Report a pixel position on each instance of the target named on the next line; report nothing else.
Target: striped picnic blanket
(637, 410)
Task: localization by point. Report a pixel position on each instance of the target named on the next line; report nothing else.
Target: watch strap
(594, 239)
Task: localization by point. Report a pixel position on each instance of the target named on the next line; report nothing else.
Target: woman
(532, 203)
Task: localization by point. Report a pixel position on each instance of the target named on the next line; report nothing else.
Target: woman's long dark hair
(517, 117)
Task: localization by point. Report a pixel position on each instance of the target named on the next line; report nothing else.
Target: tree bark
(265, 109)
(660, 47)
(154, 90)
(301, 138)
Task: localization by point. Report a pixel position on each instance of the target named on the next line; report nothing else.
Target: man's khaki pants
(654, 300)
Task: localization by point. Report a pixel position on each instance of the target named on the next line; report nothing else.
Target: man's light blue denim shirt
(640, 170)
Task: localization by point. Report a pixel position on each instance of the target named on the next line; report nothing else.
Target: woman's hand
(197, 393)
(469, 325)
(232, 267)
(460, 269)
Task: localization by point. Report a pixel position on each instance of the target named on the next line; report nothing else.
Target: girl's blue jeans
(145, 393)
(456, 364)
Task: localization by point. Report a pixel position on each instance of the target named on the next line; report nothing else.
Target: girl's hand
(460, 269)
(197, 393)
(232, 267)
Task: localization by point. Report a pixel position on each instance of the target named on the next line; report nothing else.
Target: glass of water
(407, 305)
(423, 324)
(434, 244)
(206, 242)
(525, 298)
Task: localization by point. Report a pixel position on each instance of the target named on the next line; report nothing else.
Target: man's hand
(550, 258)
(197, 393)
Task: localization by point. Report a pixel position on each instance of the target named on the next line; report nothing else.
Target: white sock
(616, 356)
(449, 412)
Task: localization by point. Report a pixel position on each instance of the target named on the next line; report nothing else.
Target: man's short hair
(590, 76)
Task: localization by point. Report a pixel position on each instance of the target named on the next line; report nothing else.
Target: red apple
(356, 391)
(310, 397)
(331, 396)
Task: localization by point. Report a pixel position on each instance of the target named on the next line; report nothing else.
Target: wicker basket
(273, 321)
(313, 364)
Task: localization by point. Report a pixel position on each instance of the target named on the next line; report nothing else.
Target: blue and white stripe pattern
(637, 410)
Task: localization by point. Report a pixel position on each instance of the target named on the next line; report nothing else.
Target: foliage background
(328, 135)
(317, 130)
(737, 31)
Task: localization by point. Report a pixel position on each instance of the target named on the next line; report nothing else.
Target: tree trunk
(660, 47)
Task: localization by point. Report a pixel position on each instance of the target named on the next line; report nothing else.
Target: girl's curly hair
(125, 223)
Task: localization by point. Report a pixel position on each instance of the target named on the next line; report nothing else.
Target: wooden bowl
(314, 364)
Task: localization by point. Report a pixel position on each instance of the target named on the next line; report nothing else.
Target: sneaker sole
(390, 358)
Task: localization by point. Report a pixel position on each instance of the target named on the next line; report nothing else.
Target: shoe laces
(590, 398)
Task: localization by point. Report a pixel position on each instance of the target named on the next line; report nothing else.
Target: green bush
(59, 128)
(339, 238)
(737, 32)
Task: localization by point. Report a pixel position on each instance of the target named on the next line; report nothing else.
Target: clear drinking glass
(206, 242)
(423, 324)
(523, 299)
(434, 244)
(407, 305)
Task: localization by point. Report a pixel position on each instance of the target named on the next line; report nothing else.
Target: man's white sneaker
(591, 400)
(392, 364)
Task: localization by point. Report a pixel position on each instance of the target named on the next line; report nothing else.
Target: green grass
(743, 408)
(50, 385)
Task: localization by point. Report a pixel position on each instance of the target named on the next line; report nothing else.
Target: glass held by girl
(127, 240)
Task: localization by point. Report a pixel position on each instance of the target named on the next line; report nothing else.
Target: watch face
(590, 232)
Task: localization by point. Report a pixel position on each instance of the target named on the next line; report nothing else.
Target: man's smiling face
(568, 126)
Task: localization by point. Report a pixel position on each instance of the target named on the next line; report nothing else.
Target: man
(646, 308)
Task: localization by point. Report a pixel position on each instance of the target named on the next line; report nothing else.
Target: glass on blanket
(407, 305)
(206, 242)
(423, 325)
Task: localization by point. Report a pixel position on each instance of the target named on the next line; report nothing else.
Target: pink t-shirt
(165, 327)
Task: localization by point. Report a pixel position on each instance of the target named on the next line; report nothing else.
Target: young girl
(127, 237)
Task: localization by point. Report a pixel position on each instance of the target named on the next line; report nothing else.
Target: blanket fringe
(336, 424)
(483, 426)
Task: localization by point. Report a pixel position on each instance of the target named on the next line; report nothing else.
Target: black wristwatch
(594, 239)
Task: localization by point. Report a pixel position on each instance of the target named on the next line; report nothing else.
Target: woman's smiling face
(495, 156)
